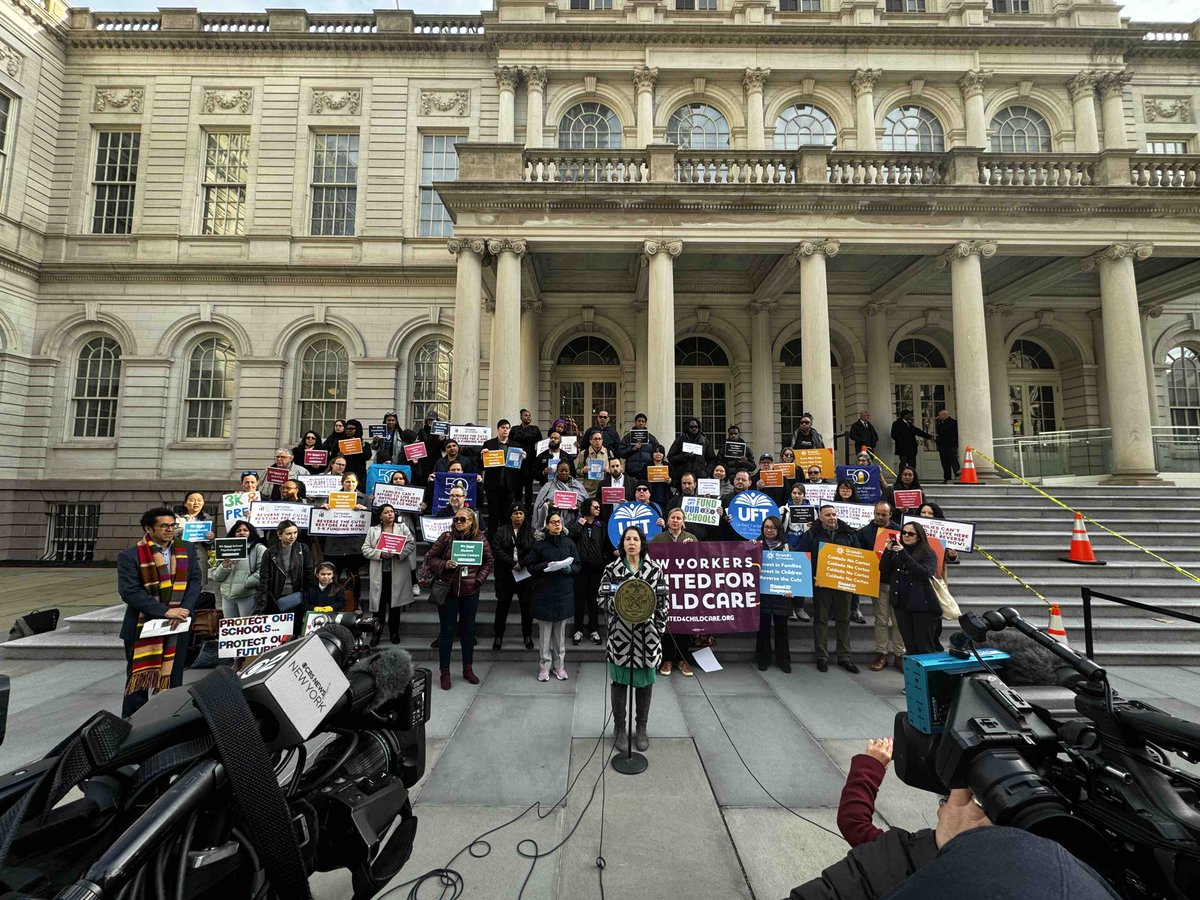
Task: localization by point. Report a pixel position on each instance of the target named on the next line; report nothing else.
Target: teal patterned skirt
(641, 677)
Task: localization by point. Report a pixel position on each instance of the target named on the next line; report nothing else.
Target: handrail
(1087, 594)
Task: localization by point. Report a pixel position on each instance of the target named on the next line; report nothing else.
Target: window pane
(802, 125)
(588, 351)
(1019, 129)
(430, 386)
(226, 170)
(209, 390)
(913, 129)
(589, 126)
(324, 376)
(915, 353)
(114, 181)
(439, 162)
(698, 126)
(97, 385)
(335, 162)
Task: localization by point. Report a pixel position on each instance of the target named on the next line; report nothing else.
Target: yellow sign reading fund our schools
(849, 569)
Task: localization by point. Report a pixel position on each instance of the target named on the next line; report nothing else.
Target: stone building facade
(219, 230)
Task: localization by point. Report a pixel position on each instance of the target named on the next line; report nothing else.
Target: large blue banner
(865, 480)
(783, 571)
(382, 472)
(644, 516)
(444, 481)
(749, 509)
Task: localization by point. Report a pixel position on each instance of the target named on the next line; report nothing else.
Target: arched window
(913, 129)
(1029, 355)
(589, 126)
(802, 125)
(1019, 129)
(1183, 387)
(588, 351)
(790, 354)
(97, 387)
(702, 394)
(431, 366)
(208, 395)
(914, 353)
(791, 389)
(699, 351)
(324, 380)
(698, 126)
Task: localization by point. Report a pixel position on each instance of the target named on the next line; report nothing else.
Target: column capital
(754, 79)
(1083, 84)
(1113, 83)
(638, 304)
(863, 81)
(670, 247)
(645, 77)
(489, 305)
(496, 246)
(471, 245)
(997, 310)
(826, 246)
(1114, 252)
(1153, 312)
(507, 77)
(874, 309)
(972, 82)
(762, 306)
(1096, 315)
(534, 306)
(964, 249)
(535, 77)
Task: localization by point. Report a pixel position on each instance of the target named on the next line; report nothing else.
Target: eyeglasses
(602, 416)
(814, 471)
(165, 525)
(909, 533)
(461, 519)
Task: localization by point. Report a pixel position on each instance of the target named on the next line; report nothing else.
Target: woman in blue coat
(554, 563)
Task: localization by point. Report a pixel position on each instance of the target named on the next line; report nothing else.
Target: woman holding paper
(239, 577)
(310, 441)
(906, 480)
(388, 570)
(357, 462)
(462, 600)
(774, 609)
(554, 563)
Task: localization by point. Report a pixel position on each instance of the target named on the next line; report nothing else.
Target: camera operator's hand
(956, 814)
(880, 749)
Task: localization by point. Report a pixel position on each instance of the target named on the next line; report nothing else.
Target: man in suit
(614, 478)
(148, 577)
(946, 430)
(863, 433)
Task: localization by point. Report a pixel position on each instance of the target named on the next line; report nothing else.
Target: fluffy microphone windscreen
(1029, 665)
(392, 670)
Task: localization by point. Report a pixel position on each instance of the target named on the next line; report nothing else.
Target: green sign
(467, 553)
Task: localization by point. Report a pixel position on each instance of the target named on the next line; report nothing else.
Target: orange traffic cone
(1081, 546)
(1055, 629)
(968, 475)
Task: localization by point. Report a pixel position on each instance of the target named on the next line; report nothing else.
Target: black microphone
(376, 681)
(1081, 664)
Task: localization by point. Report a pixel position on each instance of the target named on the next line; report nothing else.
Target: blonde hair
(473, 532)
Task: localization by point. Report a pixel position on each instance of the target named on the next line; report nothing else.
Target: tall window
(588, 351)
(913, 129)
(589, 126)
(591, 4)
(439, 162)
(1019, 129)
(97, 386)
(114, 181)
(1168, 148)
(914, 353)
(334, 183)
(209, 392)
(702, 393)
(324, 376)
(431, 381)
(226, 169)
(697, 126)
(6, 105)
(905, 6)
(803, 124)
(1183, 387)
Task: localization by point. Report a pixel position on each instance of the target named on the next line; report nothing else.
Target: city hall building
(219, 230)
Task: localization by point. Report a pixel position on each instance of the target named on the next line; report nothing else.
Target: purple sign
(713, 585)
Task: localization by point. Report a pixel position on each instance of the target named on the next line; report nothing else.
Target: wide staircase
(1020, 528)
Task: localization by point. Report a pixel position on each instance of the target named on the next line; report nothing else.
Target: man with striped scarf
(157, 579)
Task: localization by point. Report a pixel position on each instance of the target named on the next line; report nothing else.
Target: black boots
(620, 717)
(641, 698)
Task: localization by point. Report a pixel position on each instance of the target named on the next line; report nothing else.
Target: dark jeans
(950, 468)
(505, 589)
(825, 599)
(457, 613)
(762, 646)
(587, 588)
(919, 630)
(499, 502)
(135, 701)
(906, 461)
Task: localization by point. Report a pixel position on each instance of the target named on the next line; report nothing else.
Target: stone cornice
(69, 273)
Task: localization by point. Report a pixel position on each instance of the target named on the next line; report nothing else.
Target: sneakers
(416, 590)
(445, 679)
(666, 667)
(880, 663)
(685, 669)
(595, 636)
(470, 676)
(858, 617)
(560, 673)
(803, 616)
(848, 666)
(822, 665)
(576, 638)
(543, 674)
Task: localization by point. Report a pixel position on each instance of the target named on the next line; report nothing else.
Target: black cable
(299, 773)
(330, 771)
(181, 869)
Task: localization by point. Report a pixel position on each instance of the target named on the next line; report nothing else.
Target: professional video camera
(1099, 781)
(237, 786)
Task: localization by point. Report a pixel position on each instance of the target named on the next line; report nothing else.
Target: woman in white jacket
(389, 571)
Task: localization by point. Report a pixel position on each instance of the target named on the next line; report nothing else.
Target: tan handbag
(946, 601)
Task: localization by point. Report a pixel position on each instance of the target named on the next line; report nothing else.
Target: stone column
(644, 79)
(879, 377)
(640, 343)
(971, 84)
(753, 80)
(816, 371)
(862, 82)
(763, 409)
(1083, 92)
(972, 396)
(468, 298)
(507, 78)
(1124, 360)
(505, 368)
(531, 311)
(1097, 318)
(1148, 316)
(1112, 108)
(997, 354)
(659, 255)
(535, 107)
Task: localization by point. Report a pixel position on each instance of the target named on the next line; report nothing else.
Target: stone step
(1050, 567)
(1060, 539)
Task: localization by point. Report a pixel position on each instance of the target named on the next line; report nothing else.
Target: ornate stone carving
(638, 305)
(1111, 83)
(863, 81)
(671, 248)
(972, 82)
(119, 99)
(489, 305)
(496, 246)
(874, 309)
(455, 103)
(964, 249)
(347, 102)
(762, 306)
(1115, 252)
(645, 77)
(755, 79)
(535, 77)
(474, 245)
(507, 77)
(810, 248)
(1154, 312)
(231, 101)
(1083, 84)
(997, 310)
(11, 59)
(1177, 109)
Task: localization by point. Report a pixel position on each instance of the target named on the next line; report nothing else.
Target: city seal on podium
(634, 602)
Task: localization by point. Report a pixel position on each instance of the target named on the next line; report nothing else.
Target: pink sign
(907, 499)
(276, 475)
(316, 457)
(565, 500)
(391, 543)
(612, 495)
(413, 452)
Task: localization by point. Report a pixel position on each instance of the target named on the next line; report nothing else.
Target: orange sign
(350, 446)
(493, 458)
(771, 477)
(883, 534)
(342, 499)
(850, 569)
(658, 473)
(788, 470)
(822, 456)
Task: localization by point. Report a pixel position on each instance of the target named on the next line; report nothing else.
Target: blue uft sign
(749, 510)
(639, 514)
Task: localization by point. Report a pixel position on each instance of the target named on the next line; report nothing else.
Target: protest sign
(382, 472)
(612, 495)
(800, 515)
(908, 499)
(265, 516)
(403, 499)
(850, 569)
(856, 515)
(514, 458)
(440, 428)
(708, 487)
(235, 507)
(884, 534)
(316, 458)
(470, 435)
(749, 509)
(712, 585)
(694, 449)
(783, 571)
(565, 500)
(819, 492)
(639, 435)
(493, 459)
(340, 521)
(320, 485)
(432, 528)
(541, 446)
(821, 457)
(164, 627)
(467, 553)
(252, 635)
(658, 474)
(391, 543)
(376, 431)
(342, 499)
(595, 469)
(735, 449)
(701, 510)
(958, 536)
(866, 481)
(644, 516)
(350, 447)
(413, 452)
(788, 470)
(570, 444)
(277, 475)
(771, 477)
(195, 531)
(231, 548)
(443, 482)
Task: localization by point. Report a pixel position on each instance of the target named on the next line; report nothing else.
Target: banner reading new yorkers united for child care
(713, 585)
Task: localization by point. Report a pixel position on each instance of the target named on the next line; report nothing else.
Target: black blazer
(271, 576)
(138, 600)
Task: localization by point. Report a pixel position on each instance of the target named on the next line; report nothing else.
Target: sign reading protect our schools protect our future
(713, 586)
(252, 635)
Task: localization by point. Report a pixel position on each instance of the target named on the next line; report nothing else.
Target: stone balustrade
(603, 166)
(1039, 169)
(736, 167)
(1165, 171)
(887, 168)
